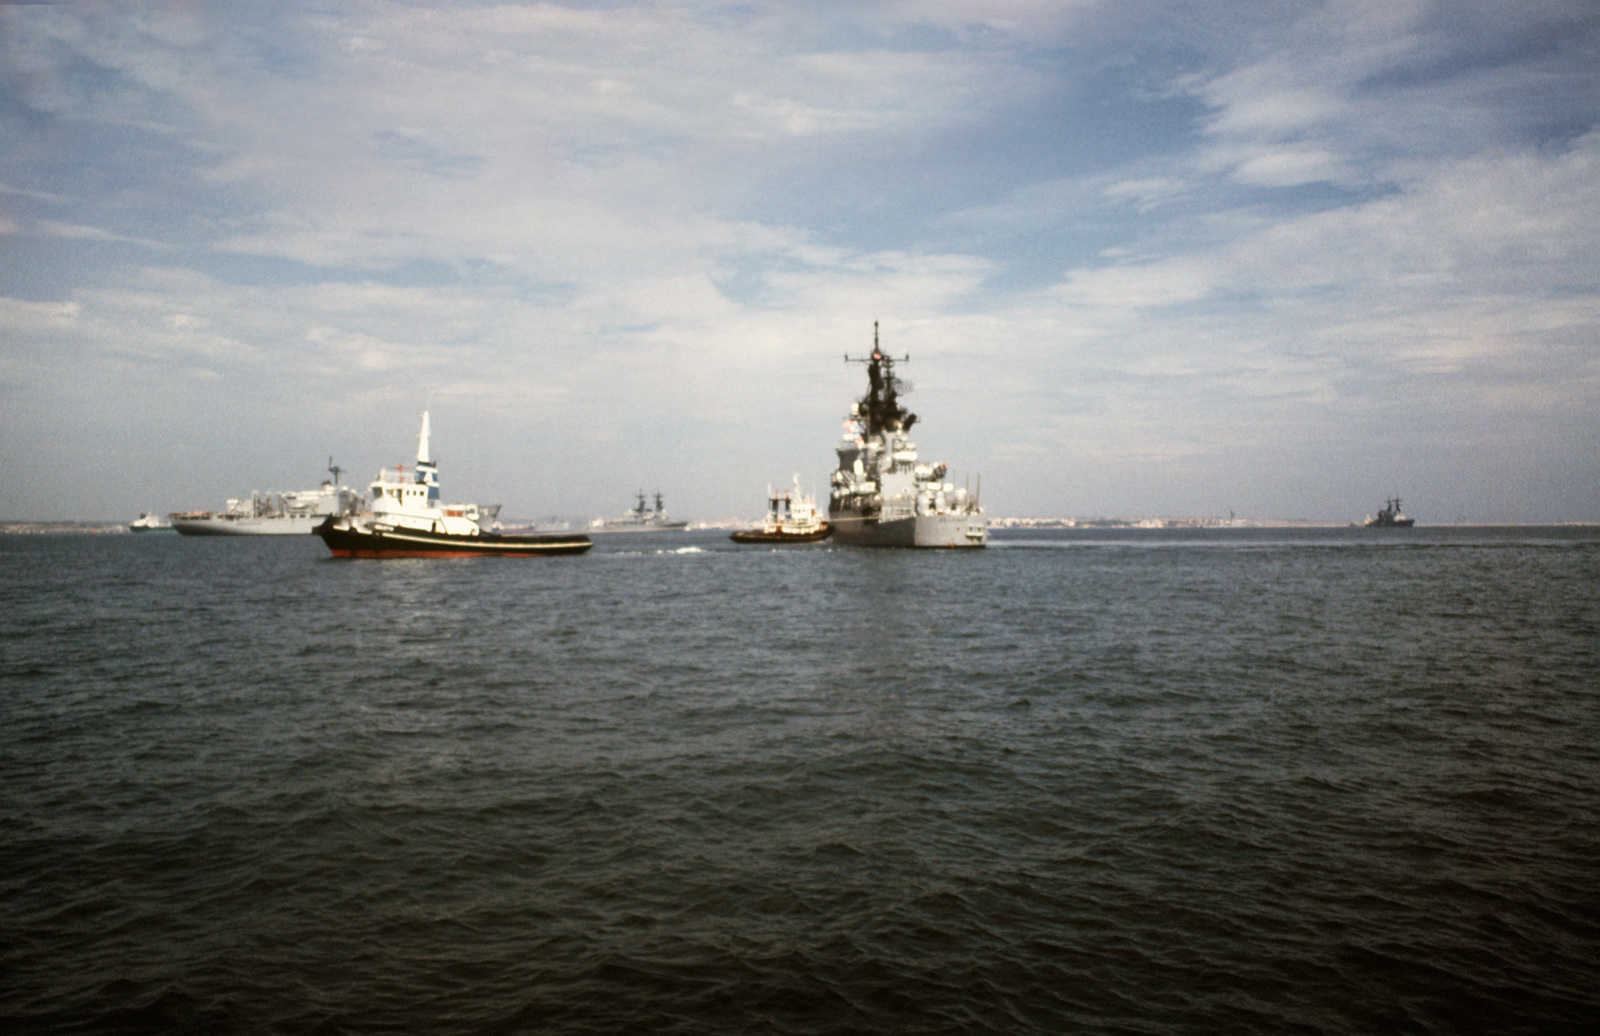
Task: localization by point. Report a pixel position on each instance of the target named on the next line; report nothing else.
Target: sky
(1147, 257)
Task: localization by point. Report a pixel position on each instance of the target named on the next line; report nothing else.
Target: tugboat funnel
(423, 455)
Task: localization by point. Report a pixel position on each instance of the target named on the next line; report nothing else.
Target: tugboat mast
(427, 470)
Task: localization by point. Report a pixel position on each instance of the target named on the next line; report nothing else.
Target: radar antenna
(880, 407)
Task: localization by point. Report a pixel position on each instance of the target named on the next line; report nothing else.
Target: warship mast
(880, 407)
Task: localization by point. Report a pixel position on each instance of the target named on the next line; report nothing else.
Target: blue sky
(1148, 258)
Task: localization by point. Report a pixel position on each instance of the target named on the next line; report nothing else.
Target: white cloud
(1148, 192)
(1025, 19)
(73, 231)
(1291, 167)
(151, 51)
(24, 319)
(575, 147)
(1166, 283)
(613, 232)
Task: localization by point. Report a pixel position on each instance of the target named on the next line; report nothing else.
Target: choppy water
(1338, 781)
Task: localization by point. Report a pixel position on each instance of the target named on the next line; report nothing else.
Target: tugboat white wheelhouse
(407, 521)
(882, 495)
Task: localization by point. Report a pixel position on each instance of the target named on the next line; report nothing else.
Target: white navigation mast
(427, 471)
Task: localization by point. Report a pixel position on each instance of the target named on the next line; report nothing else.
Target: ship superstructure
(883, 496)
(274, 514)
(791, 518)
(1391, 516)
(640, 519)
(404, 499)
(150, 522)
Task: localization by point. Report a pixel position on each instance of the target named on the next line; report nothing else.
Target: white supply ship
(883, 496)
(274, 514)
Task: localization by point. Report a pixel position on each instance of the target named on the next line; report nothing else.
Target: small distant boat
(407, 521)
(150, 523)
(1391, 517)
(791, 518)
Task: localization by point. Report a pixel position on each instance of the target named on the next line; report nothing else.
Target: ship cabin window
(377, 491)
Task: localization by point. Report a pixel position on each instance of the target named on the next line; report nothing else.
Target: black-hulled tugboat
(1391, 517)
(791, 518)
(882, 496)
(407, 521)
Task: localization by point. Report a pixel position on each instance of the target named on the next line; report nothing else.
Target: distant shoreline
(999, 524)
(84, 528)
(1250, 523)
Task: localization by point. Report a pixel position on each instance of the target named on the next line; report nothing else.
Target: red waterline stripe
(438, 554)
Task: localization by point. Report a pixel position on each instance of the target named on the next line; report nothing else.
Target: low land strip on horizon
(108, 527)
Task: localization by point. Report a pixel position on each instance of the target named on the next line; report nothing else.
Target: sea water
(1116, 781)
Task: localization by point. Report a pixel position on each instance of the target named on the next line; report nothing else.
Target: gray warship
(1391, 517)
(640, 519)
(882, 495)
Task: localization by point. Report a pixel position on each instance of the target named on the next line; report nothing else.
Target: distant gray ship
(640, 519)
(1391, 516)
(882, 495)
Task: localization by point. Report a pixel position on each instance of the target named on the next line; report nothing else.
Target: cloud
(1211, 248)
(1164, 283)
(138, 58)
(73, 231)
(28, 319)
(1291, 167)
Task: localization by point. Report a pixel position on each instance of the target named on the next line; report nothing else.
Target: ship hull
(347, 542)
(216, 525)
(762, 536)
(945, 531)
